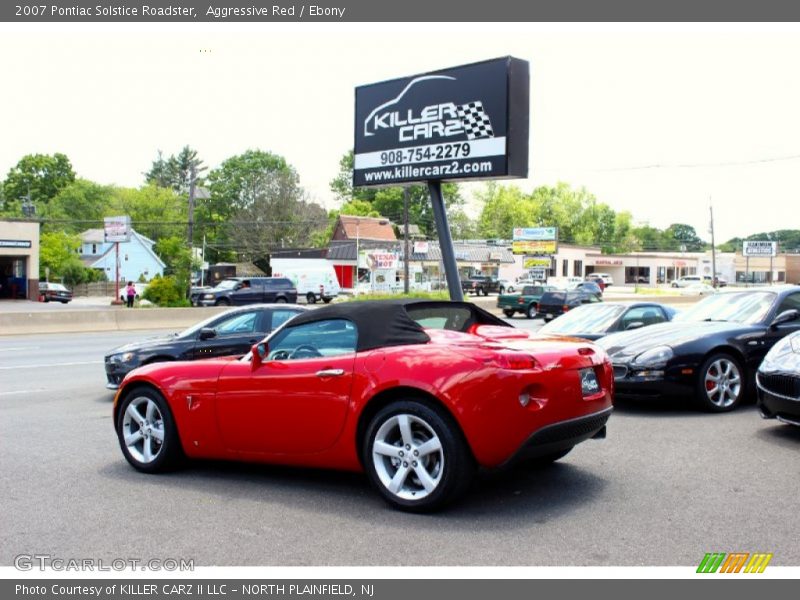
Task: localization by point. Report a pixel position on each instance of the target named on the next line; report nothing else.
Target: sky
(658, 120)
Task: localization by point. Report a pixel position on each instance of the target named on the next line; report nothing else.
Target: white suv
(607, 278)
(686, 281)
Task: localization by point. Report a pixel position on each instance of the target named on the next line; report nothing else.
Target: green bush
(165, 291)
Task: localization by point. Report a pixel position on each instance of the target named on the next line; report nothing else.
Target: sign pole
(445, 242)
(116, 276)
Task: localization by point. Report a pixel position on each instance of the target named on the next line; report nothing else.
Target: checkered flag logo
(475, 120)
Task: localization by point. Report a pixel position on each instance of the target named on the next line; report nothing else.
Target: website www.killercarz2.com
(407, 171)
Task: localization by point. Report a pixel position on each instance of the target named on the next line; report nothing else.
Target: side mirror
(634, 325)
(206, 333)
(785, 317)
(259, 352)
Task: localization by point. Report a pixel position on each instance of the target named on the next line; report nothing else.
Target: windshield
(227, 284)
(745, 307)
(596, 318)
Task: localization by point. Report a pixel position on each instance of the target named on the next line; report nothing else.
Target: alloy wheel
(408, 457)
(143, 429)
(723, 382)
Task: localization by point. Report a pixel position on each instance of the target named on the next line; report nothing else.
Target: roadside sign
(759, 248)
(463, 123)
(534, 247)
(535, 233)
(117, 229)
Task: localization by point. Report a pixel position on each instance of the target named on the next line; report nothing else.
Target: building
(19, 260)
(349, 227)
(137, 260)
(783, 268)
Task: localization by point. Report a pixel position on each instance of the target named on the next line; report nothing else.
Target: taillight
(514, 361)
(565, 308)
(521, 300)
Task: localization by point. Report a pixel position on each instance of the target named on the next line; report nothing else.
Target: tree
(174, 172)
(41, 175)
(680, 236)
(77, 207)
(155, 212)
(504, 207)
(274, 213)
(58, 252)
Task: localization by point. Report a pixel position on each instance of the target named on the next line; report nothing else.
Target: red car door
(296, 401)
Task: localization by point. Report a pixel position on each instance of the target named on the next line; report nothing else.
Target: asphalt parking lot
(666, 486)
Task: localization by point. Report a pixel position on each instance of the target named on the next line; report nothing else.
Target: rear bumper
(563, 435)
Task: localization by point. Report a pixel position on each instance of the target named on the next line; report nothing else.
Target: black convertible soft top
(382, 323)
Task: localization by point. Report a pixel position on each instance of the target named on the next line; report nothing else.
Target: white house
(136, 257)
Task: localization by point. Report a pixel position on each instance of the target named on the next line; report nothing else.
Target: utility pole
(358, 224)
(713, 247)
(406, 254)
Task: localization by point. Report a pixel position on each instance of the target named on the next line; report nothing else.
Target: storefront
(19, 260)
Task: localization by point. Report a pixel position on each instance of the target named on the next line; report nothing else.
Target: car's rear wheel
(531, 312)
(721, 384)
(416, 457)
(222, 302)
(508, 312)
(147, 433)
(311, 298)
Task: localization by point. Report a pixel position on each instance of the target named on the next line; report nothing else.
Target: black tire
(510, 289)
(732, 389)
(451, 467)
(547, 320)
(46, 299)
(509, 312)
(222, 302)
(674, 285)
(63, 301)
(326, 300)
(531, 312)
(280, 300)
(167, 454)
(547, 459)
(311, 298)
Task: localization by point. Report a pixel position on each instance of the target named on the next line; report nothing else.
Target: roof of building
(367, 228)
(145, 242)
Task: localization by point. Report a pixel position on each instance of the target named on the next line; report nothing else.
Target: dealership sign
(467, 122)
(530, 262)
(117, 229)
(534, 247)
(759, 248)
(15, 243)
(535, 233)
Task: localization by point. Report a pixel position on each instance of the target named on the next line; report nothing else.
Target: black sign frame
(464, 123)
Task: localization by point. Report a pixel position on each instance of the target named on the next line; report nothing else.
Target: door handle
(330, 373)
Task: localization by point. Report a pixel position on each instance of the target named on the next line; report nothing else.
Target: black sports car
(230, 333)
(710, 351)
(593, 321)
(778, 381)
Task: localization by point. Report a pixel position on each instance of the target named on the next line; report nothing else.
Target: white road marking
(51, 365)
(19, 348)
(22, 392)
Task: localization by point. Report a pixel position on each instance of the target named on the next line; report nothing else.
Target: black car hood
(148, 344)
(625, 345)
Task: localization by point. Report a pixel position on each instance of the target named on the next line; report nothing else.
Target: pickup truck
(525, 302)
(482, 285)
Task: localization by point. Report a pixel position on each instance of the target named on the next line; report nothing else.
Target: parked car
(590, 287)
(606, 277)
(315, 279)
(231, 333)
(778, 381)
(686, 281)
(708, 352)
(593, 321)
(718, 281)
(524, 302)
(237, 291)
(482, 285)
(54, 292)
(417, 393)
(196, 292)
(556, 303)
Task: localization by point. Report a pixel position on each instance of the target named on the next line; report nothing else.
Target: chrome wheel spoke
(134, 414)
(385, 449)
(428, 482)
(133, 438)
(432, 445)
(157, 434)
(405, 429)
(398, 480)
(150, 411)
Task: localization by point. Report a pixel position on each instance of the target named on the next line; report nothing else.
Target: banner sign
(117, 229)
(464, 123)
(420, 247)
(535, 233)
(381, 260)
(759, 248)
(530, 262)
(534, 247)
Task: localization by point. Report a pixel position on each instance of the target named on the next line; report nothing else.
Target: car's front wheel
(222, 302)
(721, 385)
(311, 298)
(147, 433)
(508, 312)
(416, 457)
(531, 312)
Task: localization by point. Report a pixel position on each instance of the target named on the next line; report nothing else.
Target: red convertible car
(418, 394)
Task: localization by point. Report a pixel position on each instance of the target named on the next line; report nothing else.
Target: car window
(279, 317)
(455, 318)
(792, 301)
(741, 307)
(241, 323)
(585, 319)
(333, 337)
(647, 315)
